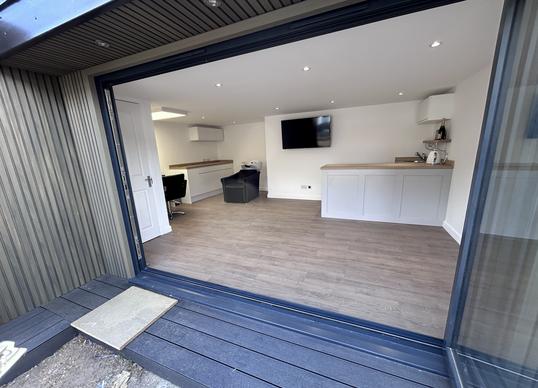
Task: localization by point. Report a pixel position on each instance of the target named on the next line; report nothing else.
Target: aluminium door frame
(354, 15)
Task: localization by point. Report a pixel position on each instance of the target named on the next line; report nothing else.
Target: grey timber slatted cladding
(90, 142)
(48, 239)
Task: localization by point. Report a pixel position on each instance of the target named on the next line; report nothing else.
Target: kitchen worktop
(186, 166)
(392, 165)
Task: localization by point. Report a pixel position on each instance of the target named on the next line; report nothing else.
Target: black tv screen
(311, 132)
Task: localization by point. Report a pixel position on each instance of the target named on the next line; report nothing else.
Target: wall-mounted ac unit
(200, 133)
(436, 108)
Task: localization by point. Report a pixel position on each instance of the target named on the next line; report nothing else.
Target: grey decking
(200, 343)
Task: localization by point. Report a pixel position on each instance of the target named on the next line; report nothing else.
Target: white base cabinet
(204, 182)
(414, 196)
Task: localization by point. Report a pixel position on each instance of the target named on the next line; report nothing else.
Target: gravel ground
(82, 363)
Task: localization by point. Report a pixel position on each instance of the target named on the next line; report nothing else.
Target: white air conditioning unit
(436, 108)
(200, 133)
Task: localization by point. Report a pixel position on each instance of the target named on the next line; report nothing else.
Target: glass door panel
(495, 342)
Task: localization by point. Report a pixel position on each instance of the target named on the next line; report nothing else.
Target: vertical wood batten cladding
(48, 240)
(90, 143)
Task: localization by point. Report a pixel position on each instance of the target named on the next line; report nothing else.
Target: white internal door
(138, 163)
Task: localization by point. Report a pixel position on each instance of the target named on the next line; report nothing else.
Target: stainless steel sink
(408, 159)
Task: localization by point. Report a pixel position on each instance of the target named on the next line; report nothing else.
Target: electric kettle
(434, 157)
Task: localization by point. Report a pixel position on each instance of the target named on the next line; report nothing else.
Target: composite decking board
(319, 345)
(21, 325)
(44, 335)
(41, 332)
(238, 357)
(102, 289)
(293, 369)
(319, 363)
(16, 323)
(163, 371)
(31, 328)
(422, 356)
(190, 364)
(85, 298)
(209, 339)
(407, 372)
(67, 309)
(113, 281)
(36, 355)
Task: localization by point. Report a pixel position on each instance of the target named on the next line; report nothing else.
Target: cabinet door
(344, 196)
(421, 199)
(382, 196)
(209, 178)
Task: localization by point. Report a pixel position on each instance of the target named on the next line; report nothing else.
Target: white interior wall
(367, 134)
(469, 104)
(242, 143)
(174, 146)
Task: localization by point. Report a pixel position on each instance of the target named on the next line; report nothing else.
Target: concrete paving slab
(121, 319)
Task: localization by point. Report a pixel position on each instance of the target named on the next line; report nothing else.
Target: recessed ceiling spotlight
(306, 68)
(218, 84)
(164, 113)
(435, 43)
(213, 3)
(102, 43)
(277, 108)
(400, 93)
(233, 122)
(332, 101)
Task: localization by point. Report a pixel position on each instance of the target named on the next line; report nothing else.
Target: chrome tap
(422, 156)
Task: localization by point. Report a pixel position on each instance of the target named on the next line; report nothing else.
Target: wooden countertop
(396, 166)
(186, 166)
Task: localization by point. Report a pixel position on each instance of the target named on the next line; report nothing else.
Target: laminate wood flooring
(398, 275)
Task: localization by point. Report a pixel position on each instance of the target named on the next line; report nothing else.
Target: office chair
(175, 187)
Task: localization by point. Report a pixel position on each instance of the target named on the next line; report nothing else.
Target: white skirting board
(452, 232)
(306, 197)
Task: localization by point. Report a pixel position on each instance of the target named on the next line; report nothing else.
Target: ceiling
(132, 27)
(365, 65)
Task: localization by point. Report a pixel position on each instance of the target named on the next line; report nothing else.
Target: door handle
(149, 180)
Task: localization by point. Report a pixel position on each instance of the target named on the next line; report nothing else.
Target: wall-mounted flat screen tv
(312, 132)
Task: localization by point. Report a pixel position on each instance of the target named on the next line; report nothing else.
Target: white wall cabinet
(410, 196)
(205, 134)
(436, 108)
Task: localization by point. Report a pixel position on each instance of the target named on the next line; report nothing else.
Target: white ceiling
(360, 66)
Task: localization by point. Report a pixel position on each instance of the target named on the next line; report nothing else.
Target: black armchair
(241, 187)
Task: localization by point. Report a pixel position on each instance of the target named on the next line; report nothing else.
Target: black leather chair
(175, 187)
(241, 187)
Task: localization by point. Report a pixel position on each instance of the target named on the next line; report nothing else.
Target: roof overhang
(24, 22)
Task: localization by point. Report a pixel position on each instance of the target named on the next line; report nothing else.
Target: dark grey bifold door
(493, 326)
